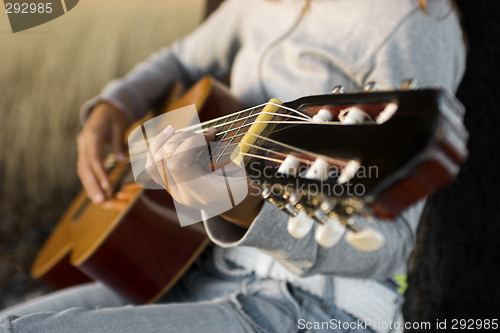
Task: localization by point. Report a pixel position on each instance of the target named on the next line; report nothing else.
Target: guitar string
(256, 115)
(303, 151)
(193, 127)
(239, 129)
(280, 122)
(273, 141)
(261, 122)
(303, 160)
(251, 110)
(141, 150)
(231, 140)
(142, 154)
(196, 128)
(292, 148)
(263, 157)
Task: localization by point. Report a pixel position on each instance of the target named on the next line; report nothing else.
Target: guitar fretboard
(231, 129)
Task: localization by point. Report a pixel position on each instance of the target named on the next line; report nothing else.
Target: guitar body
(140, 250)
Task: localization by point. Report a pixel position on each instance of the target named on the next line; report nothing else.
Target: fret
(237, 122)
(216, 123)
(234, 139)
(227, 122)
(231, 130)
(233, 121)
(234, 136)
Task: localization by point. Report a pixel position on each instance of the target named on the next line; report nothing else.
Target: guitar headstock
(375, 153)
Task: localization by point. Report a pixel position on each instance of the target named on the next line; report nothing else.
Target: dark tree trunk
(454, 273)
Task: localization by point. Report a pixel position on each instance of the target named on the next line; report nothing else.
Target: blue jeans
(204, 300)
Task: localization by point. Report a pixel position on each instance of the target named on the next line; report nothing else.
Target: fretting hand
(174, 167)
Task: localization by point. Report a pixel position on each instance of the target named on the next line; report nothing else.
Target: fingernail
(169, 130)
(120, 157)
(97, 198)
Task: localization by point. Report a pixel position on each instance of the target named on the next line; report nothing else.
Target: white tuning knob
(300, 225)
(323, 116)
(330, 233)
(367, 239)
(387, 113)
(319, 170)
(353, 115)
(290, 166)
(349, 171)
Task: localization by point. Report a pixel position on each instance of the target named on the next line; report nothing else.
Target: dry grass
(46, 73)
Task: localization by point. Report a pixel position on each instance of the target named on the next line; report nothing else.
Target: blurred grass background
(46, 73)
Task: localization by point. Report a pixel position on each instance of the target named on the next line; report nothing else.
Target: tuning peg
(319, 169)
(409, 84)
(290, 166)
(267, 192)
(330, 233)
(387, 113)
(337, 90)
(370, 87)
(353, 115)
(295, 198)
(349, 171)
(366, 239)
(323, 116)
(279, 201)
(300, 225)
(328, 205)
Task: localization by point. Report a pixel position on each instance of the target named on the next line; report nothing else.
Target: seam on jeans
(292, 303)
(10, 326)
(308, 312)
(329, 297)
(238, 307)
(244, 286)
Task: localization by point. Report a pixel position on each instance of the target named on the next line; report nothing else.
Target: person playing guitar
(257, 277)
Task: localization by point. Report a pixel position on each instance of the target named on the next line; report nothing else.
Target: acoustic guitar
(309, 156)
(139, 251)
